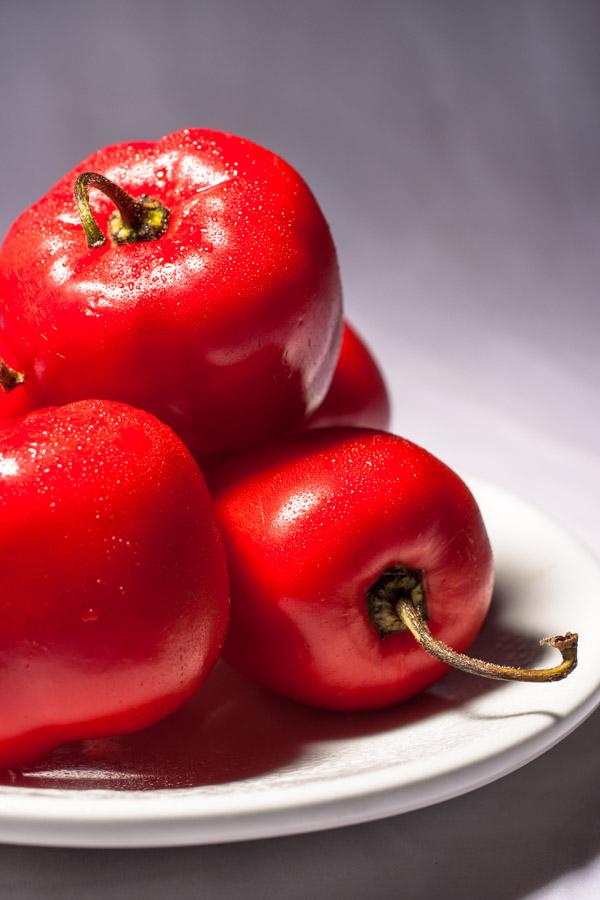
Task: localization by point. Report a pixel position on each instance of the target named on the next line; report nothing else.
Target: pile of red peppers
(194, 460)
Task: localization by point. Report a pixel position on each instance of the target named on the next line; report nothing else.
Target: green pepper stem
(566, 644)
(143, 219)
(9, 377)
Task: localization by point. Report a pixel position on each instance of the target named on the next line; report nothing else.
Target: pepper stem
(9, 377)
(135, 220)
(566, 644)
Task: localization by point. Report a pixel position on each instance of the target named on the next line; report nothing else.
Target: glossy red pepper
(113, 583)
(215, 303)
(335, 538)
(357, 394)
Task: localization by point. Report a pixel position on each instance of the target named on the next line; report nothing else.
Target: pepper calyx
(152, 222)
(394, 584)
(135, 220)
(9, 378)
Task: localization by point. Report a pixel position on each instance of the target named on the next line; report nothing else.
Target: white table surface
(456, 151)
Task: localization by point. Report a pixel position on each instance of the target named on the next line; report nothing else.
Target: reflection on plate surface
(238, 762)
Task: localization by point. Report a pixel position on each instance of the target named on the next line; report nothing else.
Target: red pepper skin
(113, 582)
(309, 525)
(357, 395)
(13, 405)
(227, 327)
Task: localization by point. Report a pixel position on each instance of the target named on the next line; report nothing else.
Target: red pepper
(357, 395)
(113, 583)
(214, 303)
(340, 542)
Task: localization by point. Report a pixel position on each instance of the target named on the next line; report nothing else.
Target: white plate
(238, 763)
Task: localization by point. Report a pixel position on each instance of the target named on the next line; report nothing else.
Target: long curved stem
(566, 644)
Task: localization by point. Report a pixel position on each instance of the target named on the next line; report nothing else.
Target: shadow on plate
(233, 730)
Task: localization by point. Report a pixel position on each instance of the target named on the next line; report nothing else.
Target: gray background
(455, 149)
